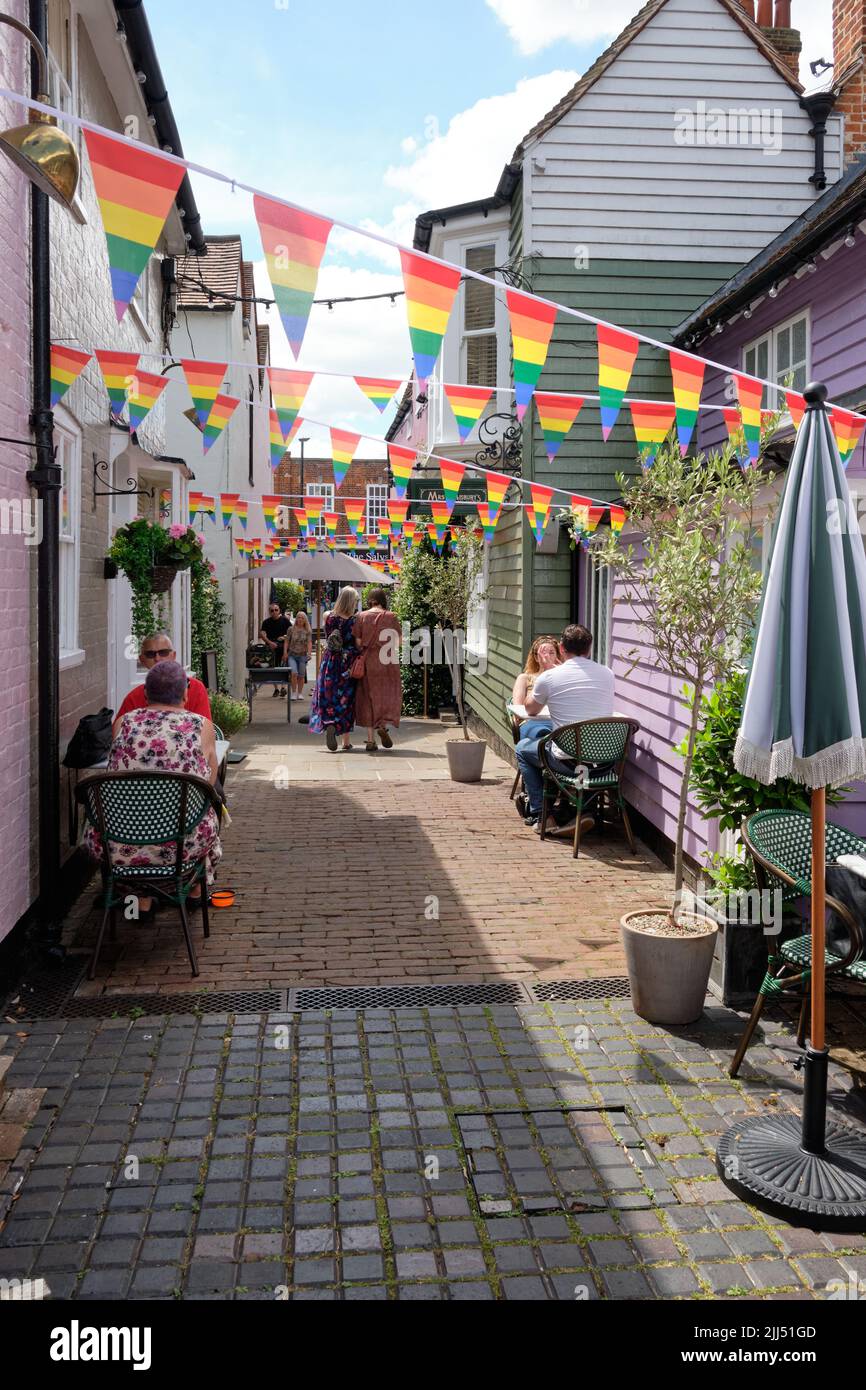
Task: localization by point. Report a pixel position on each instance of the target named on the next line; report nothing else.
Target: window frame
(478, 613)
(770, 337)
(322, 489)
(68, 440)
(63, 92)
(372, 520)
(600, 591)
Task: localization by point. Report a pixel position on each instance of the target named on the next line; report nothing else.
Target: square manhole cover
(579, 1160)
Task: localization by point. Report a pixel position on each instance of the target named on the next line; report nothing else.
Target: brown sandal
(387, 741)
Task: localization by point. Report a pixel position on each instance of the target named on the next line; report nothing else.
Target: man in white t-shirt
(575, 690)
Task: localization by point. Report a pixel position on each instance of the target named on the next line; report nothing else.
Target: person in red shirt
(155, 648)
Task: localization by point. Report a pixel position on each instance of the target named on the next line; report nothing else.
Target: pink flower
(199, 540)
(176, 531)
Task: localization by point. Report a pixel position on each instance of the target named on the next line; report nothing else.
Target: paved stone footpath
(316, 1156)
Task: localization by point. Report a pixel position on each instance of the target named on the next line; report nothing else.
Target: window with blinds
(479, 319)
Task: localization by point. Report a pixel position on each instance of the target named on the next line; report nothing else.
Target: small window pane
(481, 360)
(798, 334)
(479, 301)
(783, 352)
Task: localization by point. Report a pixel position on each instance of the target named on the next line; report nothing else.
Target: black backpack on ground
(89, 745)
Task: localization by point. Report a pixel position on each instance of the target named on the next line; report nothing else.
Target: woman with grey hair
(163, 736)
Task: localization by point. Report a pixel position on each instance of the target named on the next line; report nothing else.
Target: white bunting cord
(234, 184)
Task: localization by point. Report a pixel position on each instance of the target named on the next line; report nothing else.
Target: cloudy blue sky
(372, 113)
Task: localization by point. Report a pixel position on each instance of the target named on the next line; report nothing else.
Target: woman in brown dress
(379, 693)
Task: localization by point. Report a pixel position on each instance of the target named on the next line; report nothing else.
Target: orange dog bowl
(224, 897)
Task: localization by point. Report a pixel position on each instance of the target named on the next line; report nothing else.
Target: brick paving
(360, 870)
(325, 1156)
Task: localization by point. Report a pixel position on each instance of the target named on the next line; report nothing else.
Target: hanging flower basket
(163, 576)
(150, 556)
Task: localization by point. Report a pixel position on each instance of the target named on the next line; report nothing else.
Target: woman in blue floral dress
(332, 710)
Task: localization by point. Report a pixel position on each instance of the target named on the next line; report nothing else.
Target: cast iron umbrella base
(812, 1171)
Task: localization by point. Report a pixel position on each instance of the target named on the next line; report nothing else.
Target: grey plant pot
(465, 759)
(667, 975)
(739, 962)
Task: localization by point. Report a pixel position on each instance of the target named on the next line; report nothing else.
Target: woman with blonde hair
(297, 650)
(332, 710)
(543, 655)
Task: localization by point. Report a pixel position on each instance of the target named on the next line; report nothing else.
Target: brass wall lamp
(40, 149)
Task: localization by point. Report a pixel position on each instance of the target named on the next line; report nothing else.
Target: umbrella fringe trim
(842, 763)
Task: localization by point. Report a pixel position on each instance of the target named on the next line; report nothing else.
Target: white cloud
(535, 27)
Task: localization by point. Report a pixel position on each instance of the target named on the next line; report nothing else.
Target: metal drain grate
(43, 993)
(407, 996)
(122, 1005)
(614, 987)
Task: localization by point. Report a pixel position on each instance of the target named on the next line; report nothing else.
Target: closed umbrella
(804, 717)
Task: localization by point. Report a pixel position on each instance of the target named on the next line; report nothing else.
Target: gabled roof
(843, 204)
(622, 41)
(211, 281)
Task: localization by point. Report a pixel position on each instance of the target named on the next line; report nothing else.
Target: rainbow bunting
(293, 543)
(378, 389)
(372, 539)
(540, 507)
(135, 190)
(377, 565)
(410, 526)
(749, 394)
(298, 422)
(66, 365)
(352, 542)
(488, 520)
(147, 389)
(294, 243)
(343, 446)
(687, 374)
(207, 505)
(354, 514)
(441, 511)
(228, 504)
(242, 508)
(331, 520)
(847, 428)
(617, 519)
(397, 514)
(796, 407)
(311, 541)
(241, 545)
(384, 525)
(594, 516)
(194, 501)
(452, 476)
(616, 357)
(734, 426)
(430, 291)
(653, 422)
(223, 409)
(402, 462)
(314, 506)
(288, 388)
(531, 327)
(275, 438)
(118, 372)
(497, 486)
(437, 532)
(204, 380)
(300, 515)
(556, 415)
(468, 404)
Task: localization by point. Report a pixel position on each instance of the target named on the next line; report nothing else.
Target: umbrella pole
(815, 1065)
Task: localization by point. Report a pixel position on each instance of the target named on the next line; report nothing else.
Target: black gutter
(45, 479)
(426, 221)
(133, 20)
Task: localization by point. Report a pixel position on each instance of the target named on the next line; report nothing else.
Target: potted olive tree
(453, 589)
(692, 589)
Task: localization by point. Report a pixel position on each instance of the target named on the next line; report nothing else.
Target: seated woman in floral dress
(165, 737)
(332, 710)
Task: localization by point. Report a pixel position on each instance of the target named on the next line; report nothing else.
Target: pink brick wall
(16, 559)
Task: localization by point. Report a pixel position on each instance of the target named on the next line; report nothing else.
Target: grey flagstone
(804, 713)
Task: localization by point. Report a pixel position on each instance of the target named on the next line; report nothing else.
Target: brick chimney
(849, 73)
(775, 21)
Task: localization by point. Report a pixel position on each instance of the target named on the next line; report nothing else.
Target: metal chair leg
(205, 918)
(752, 1024)
(627, 826)
(108, 915)
(515, 784)
(544, 804)
(189, 946)
(577, 820)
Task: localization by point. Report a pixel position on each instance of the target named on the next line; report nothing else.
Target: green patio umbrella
(804, 717)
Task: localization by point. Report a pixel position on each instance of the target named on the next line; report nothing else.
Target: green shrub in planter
(228, 713)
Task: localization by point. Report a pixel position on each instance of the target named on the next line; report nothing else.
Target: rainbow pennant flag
(556, 415)
(371, 538)
(207, 505)
(384, 526)
(437, 532)
(847, 428)
(750, 394)
(617, 519)
(594, 516)
(298, 422)
(734, 425)
(314, 506)
(331, 520)
(242, 508)
(397, 513)
(452, 476)
(653, 422)
(351, 542)
(488, 520)
(378, 565)
(67, 364)
(222, 411)
(410, 528)
(241, 545)
(402, 462)
(541, 498)
(270, 506)
(135, 190)
(228, 503)
(118, 372)
(468, 404)
(441, 512)
(430, 290)
(288, 388)
(497, 486)
(204, 380)
(531, 329)
(275, 439)
(687, 374)
(796, 407)
(146, 392)
(194, 503)
(292, 543)
(311, 541)
(616, 357)
(294, 243)
(343, 446)
(354, 513)
(378, 389)
(417, 537)
(300, 515)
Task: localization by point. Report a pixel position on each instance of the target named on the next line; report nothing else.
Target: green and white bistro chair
(148, 808)
(780, 846)
(599, 748)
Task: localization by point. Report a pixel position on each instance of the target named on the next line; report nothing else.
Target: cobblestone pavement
(316, 1156)
(360, 870)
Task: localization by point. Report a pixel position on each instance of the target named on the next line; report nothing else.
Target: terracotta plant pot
(667, 975)
(465, 759)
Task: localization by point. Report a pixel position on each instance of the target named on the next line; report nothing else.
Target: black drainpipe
(45, 478)
(818, 107)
